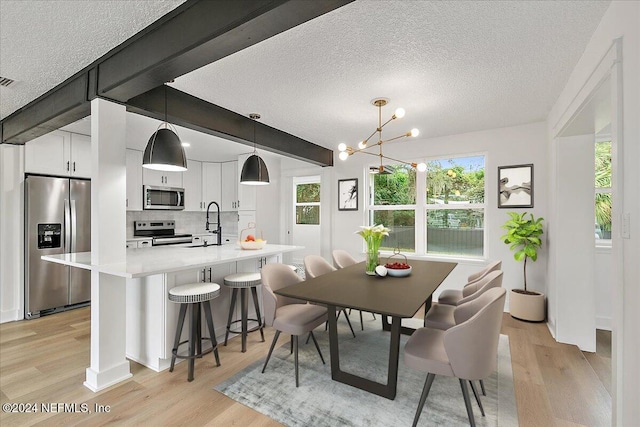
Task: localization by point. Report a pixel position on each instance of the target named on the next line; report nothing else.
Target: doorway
(594, 115)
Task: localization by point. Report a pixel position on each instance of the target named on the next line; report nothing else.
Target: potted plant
(523, 236)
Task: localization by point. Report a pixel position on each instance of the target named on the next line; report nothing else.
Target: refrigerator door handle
(67, 225)
(74, 223)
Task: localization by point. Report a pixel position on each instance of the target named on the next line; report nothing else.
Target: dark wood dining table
(395, 297)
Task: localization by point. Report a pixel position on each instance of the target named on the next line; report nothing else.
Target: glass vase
(372, 262)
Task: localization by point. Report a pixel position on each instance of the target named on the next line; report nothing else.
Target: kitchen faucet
(218, 229)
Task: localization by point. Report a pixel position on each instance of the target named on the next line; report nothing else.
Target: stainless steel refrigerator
(57, 220)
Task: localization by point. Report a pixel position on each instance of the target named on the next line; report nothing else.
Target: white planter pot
(527, 307)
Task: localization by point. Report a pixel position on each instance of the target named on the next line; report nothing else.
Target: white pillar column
(108, 245)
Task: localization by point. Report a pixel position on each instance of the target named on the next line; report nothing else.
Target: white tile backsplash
(186, 222)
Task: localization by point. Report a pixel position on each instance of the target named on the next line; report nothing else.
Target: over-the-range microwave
(165, 198)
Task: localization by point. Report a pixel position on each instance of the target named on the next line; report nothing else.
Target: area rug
(320, 401)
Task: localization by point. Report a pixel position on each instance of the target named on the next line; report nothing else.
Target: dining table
(391, 297)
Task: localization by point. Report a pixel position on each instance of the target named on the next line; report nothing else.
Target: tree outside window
(455, 206)
(452, 207)
(308, 203)
(603, 190)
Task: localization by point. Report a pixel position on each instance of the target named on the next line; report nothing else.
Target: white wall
(573, 311)
(604, 288)
(501, 147)
(622, 20)
(268, 207)
(11, 235)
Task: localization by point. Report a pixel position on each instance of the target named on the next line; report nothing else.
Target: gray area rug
(320, 401)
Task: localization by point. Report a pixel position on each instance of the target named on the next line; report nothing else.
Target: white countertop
(149, 261)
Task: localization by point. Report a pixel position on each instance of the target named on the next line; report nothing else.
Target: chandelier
(363, 146)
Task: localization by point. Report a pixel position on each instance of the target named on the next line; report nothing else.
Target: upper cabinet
(229, 196)
(246, 193)
(80, 156)
(211, 186)
(161, 178)
(59, 153)
(134, 180)
(192, 181)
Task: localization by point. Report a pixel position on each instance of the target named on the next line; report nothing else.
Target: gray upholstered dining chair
(453, 296)
(442, 316)
(342, 259)
(467, 351)
(288, 315)
(315, 266)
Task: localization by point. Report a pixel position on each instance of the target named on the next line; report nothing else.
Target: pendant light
(254, 170)
(164, 150)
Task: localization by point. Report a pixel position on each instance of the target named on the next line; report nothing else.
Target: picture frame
(348, 194)
(515, 186)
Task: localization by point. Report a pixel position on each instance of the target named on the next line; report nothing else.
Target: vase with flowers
(373, 235)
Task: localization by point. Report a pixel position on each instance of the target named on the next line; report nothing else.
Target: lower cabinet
(152, 319)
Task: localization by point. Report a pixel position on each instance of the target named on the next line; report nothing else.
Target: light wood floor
(44, 360)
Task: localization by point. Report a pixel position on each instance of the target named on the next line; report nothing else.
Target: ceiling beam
(200, 115)
(195, 34)
(53, 110)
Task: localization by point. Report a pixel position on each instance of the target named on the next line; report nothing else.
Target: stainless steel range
(161, 232)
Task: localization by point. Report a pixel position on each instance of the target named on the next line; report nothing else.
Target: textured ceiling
(454, 66)
(43, 42)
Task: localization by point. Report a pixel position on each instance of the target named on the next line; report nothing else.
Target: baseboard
(10, 316)
(603, 323)
(552, 329)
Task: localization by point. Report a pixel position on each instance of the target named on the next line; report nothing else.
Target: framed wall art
(515, 186)
(348, 194)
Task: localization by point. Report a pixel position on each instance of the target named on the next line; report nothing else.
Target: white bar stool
(194, 295)
(242, 282)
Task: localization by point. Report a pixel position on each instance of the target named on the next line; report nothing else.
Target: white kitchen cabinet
(211, 185)
(59, 153)
(229, 194)
(134, 180)
(246, 193)
(80, 156)
(192, 181)
(161, 178)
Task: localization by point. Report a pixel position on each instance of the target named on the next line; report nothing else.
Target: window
(393, 198)
(308, 203)
(603, 191)
(455, 206)
(439, 211)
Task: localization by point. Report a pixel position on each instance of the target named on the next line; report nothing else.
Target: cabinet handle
(67, 166)
(238, 203)
(127, 203)
(74, 166)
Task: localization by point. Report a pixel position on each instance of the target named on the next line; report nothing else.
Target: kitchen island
(150, 272)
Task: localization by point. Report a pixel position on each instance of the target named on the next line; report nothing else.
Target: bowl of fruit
(249, 240)
(397, 267)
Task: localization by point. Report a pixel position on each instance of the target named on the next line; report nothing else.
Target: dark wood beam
(55, 109)
(195, 34)
(197, 114)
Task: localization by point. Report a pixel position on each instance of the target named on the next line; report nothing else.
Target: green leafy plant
(523, 236)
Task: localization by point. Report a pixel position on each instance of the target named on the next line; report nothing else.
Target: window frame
(421, 207)
(303, 181)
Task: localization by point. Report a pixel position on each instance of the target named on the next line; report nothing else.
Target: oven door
(163, 198)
